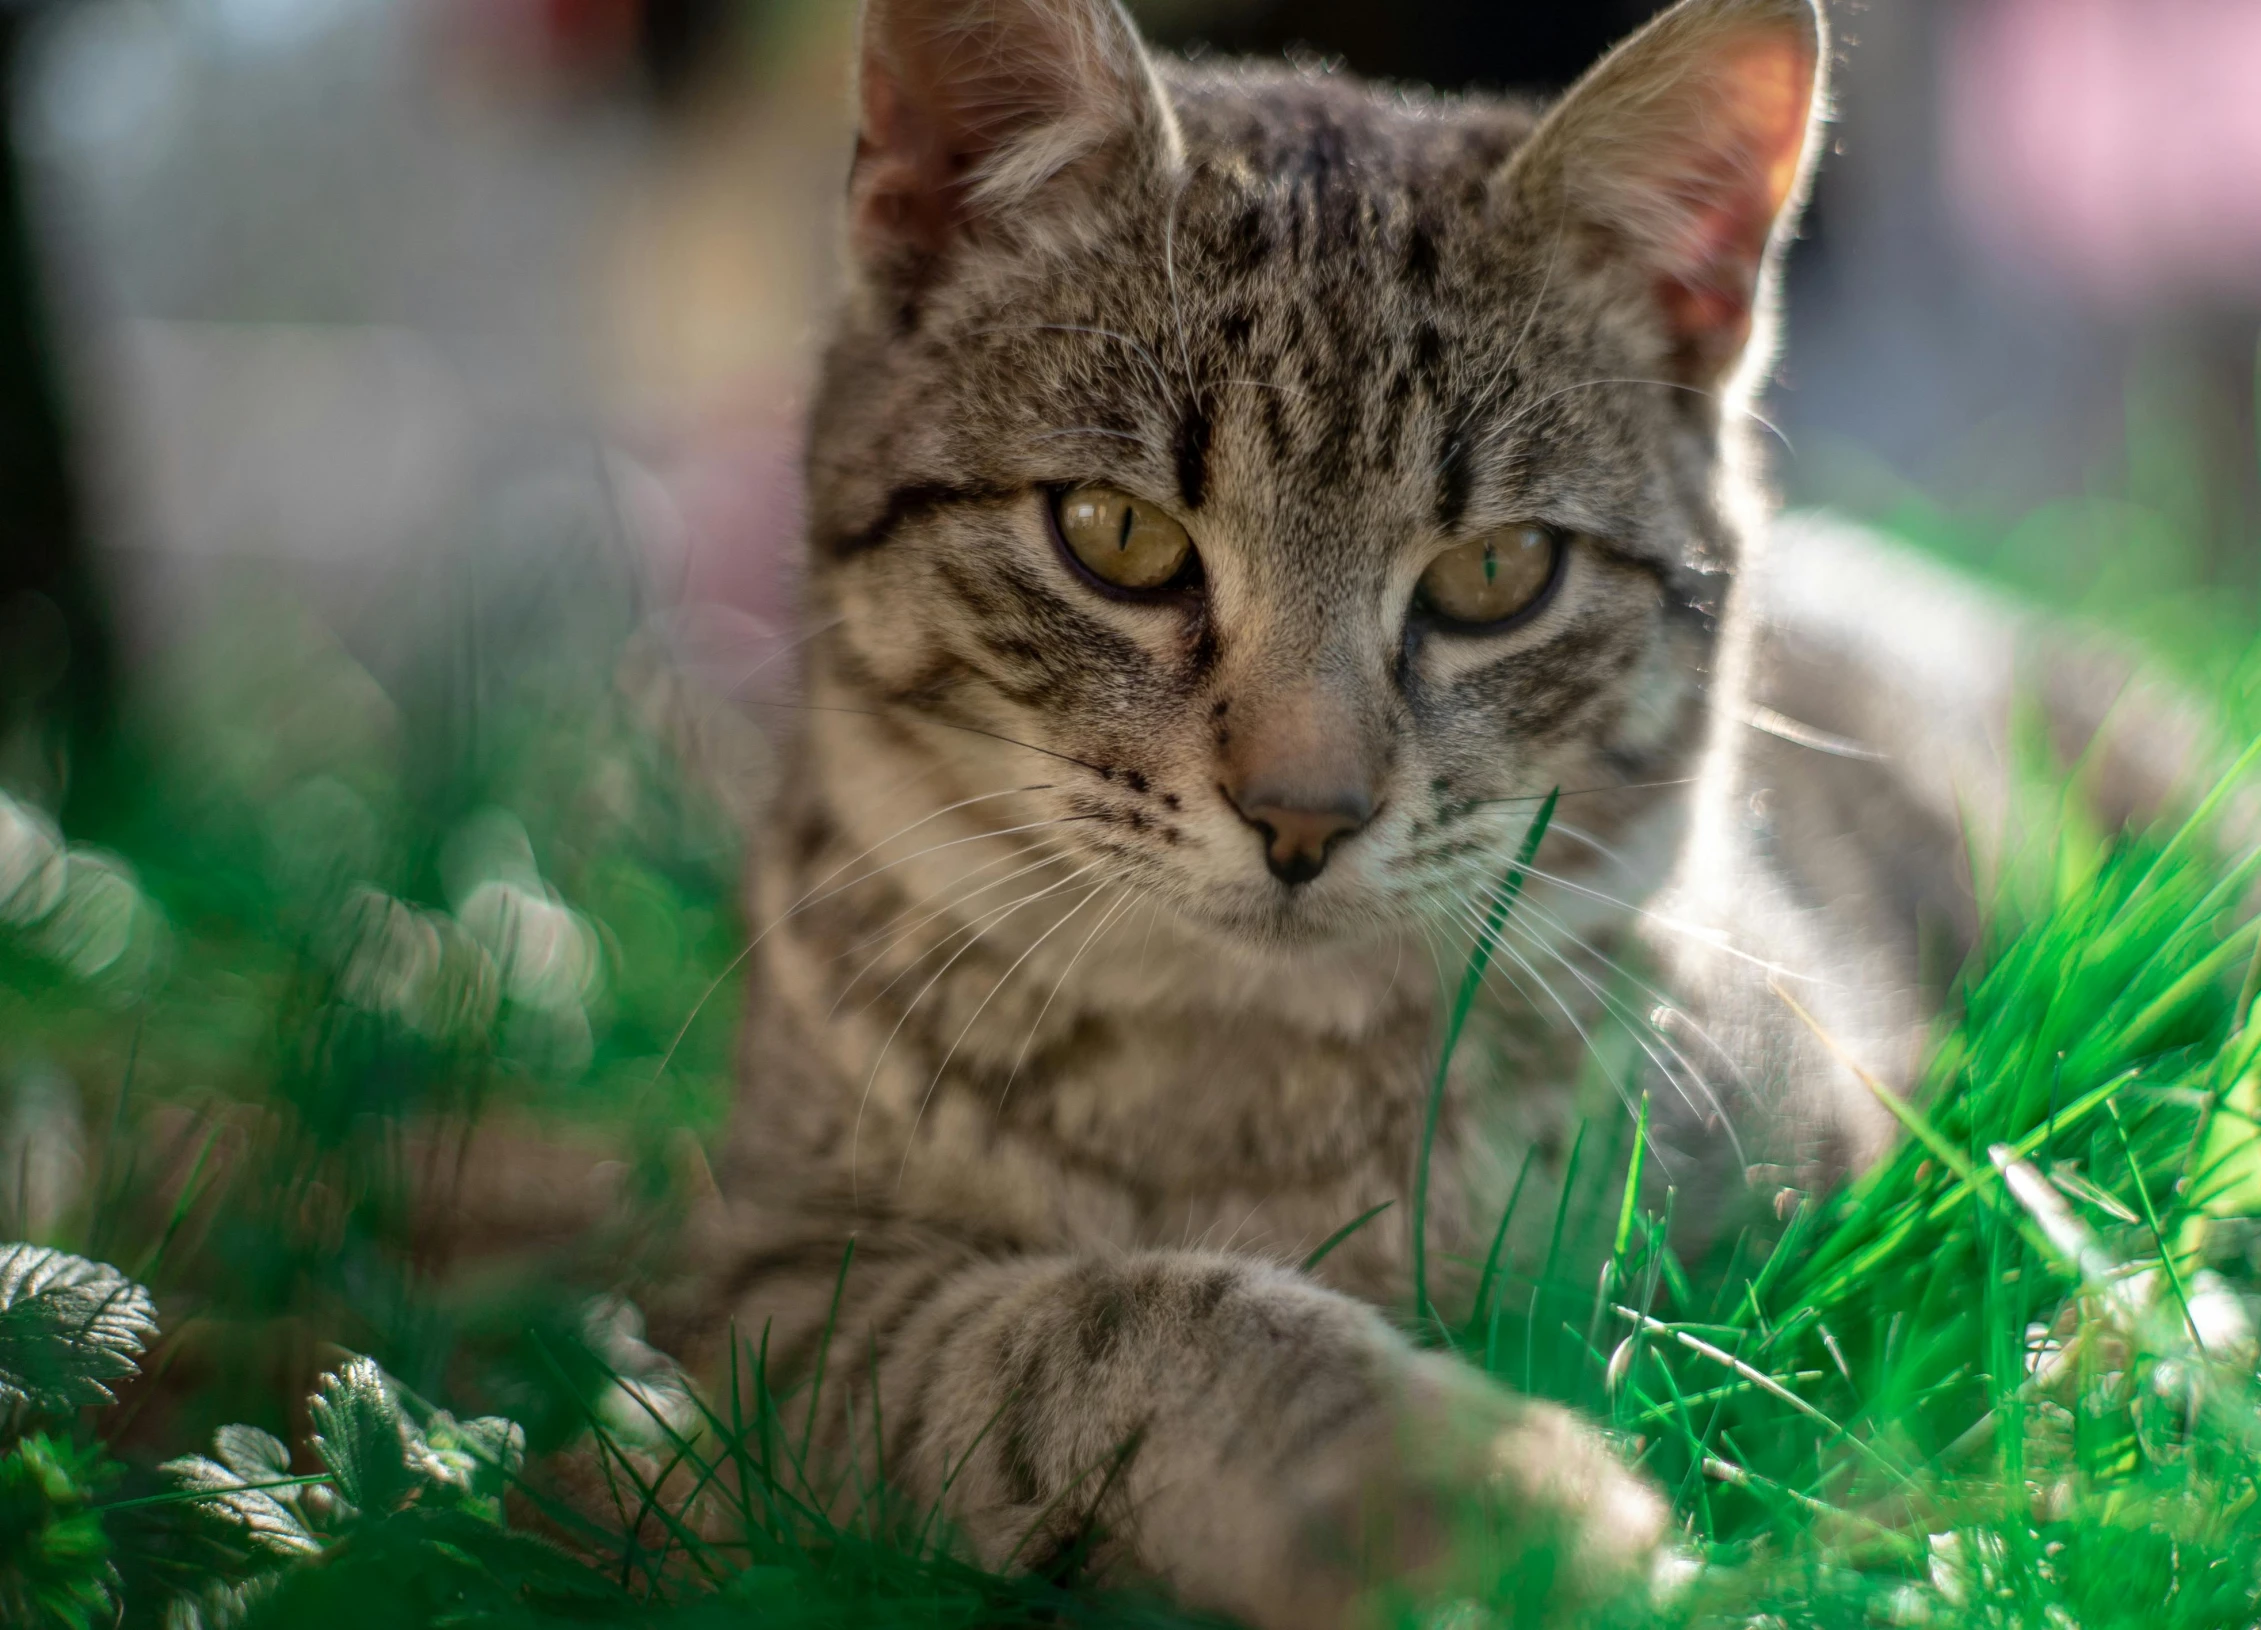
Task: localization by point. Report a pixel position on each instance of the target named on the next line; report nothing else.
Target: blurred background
(304, 295)
(399, 403)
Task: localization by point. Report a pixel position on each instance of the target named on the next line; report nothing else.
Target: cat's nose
(1300, 834)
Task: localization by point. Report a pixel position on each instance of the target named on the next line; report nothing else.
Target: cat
(1240, 499)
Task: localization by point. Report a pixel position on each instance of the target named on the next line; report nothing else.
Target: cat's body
(1106, 933)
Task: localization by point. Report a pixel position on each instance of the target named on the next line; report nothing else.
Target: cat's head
(1287, 480)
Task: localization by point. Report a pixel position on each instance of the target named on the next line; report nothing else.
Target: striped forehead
(1297, 338)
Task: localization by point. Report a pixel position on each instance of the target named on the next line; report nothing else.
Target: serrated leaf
(497, 1442)
(67, 1327)
(475, 1458)
(219, 1605)
(363, 1438)
(253, 1455)
(247, 1459)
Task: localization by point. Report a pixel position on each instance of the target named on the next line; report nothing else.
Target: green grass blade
(1471, 980)
(1327, 1245)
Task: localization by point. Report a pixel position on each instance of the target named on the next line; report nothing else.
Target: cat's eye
(1123, 541)
(1494, 578)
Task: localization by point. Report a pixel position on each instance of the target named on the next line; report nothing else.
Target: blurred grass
(2007, 1378)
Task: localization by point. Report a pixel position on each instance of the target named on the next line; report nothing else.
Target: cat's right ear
(976, 110)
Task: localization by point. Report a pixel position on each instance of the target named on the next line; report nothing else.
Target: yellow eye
(1491, 578)
(1121, 540)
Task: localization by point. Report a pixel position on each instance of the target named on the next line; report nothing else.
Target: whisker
(1525, 409)
(1704, 1100)
(1437, 957)
(1153, 909)
(1582, 792)
(905, 831)
(738, 685)
(1016, 853)
(894, 939)
(1037, 1024)
(1475, 921)
(886, 930)
(1539, 913)
(937, 848)
(1608, 852)
(1170, 275)
(1713, 938)
(943, 724)
(1397, 967)
(1784, 728)
(855, 1135)
(1585, 1037)
(1636, 1026)
(738, 961)
(1249, 1217)
(977, 927)
(910, 1137)
(1530, 318)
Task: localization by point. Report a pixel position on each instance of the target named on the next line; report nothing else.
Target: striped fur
(1031, 1021)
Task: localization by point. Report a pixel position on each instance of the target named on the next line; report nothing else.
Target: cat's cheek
(862, 616)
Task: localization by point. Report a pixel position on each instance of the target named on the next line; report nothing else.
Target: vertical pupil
(1122, 537)
(1491, 564)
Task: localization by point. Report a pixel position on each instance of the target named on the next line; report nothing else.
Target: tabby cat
(1239, 496)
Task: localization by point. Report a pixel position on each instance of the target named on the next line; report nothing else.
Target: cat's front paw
(1409, 1482)
(1465, 1492)
(1508, 1501)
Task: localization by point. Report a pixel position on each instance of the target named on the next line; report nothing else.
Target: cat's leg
(1260, 1444)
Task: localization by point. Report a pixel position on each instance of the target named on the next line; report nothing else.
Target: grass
(2006, 1378)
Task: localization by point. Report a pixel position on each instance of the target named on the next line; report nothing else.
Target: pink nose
(1298, 837)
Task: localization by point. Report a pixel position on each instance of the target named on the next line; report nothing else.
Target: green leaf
(221, 1604)
(241, 1483)
(55, 1570)
(473, 1459)
(67, 1327)
(363, 1438)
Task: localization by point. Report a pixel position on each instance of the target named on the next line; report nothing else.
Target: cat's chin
(1285, 921)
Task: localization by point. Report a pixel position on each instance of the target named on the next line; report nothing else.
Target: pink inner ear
(1736, 184)
(949, 85)
(902, 191)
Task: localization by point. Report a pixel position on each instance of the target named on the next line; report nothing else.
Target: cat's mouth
(1330, 907)
(1375, 883)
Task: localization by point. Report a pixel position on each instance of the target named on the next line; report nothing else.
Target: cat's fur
(1031, 1022)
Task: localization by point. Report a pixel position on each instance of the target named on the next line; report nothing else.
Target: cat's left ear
(1681, 160)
